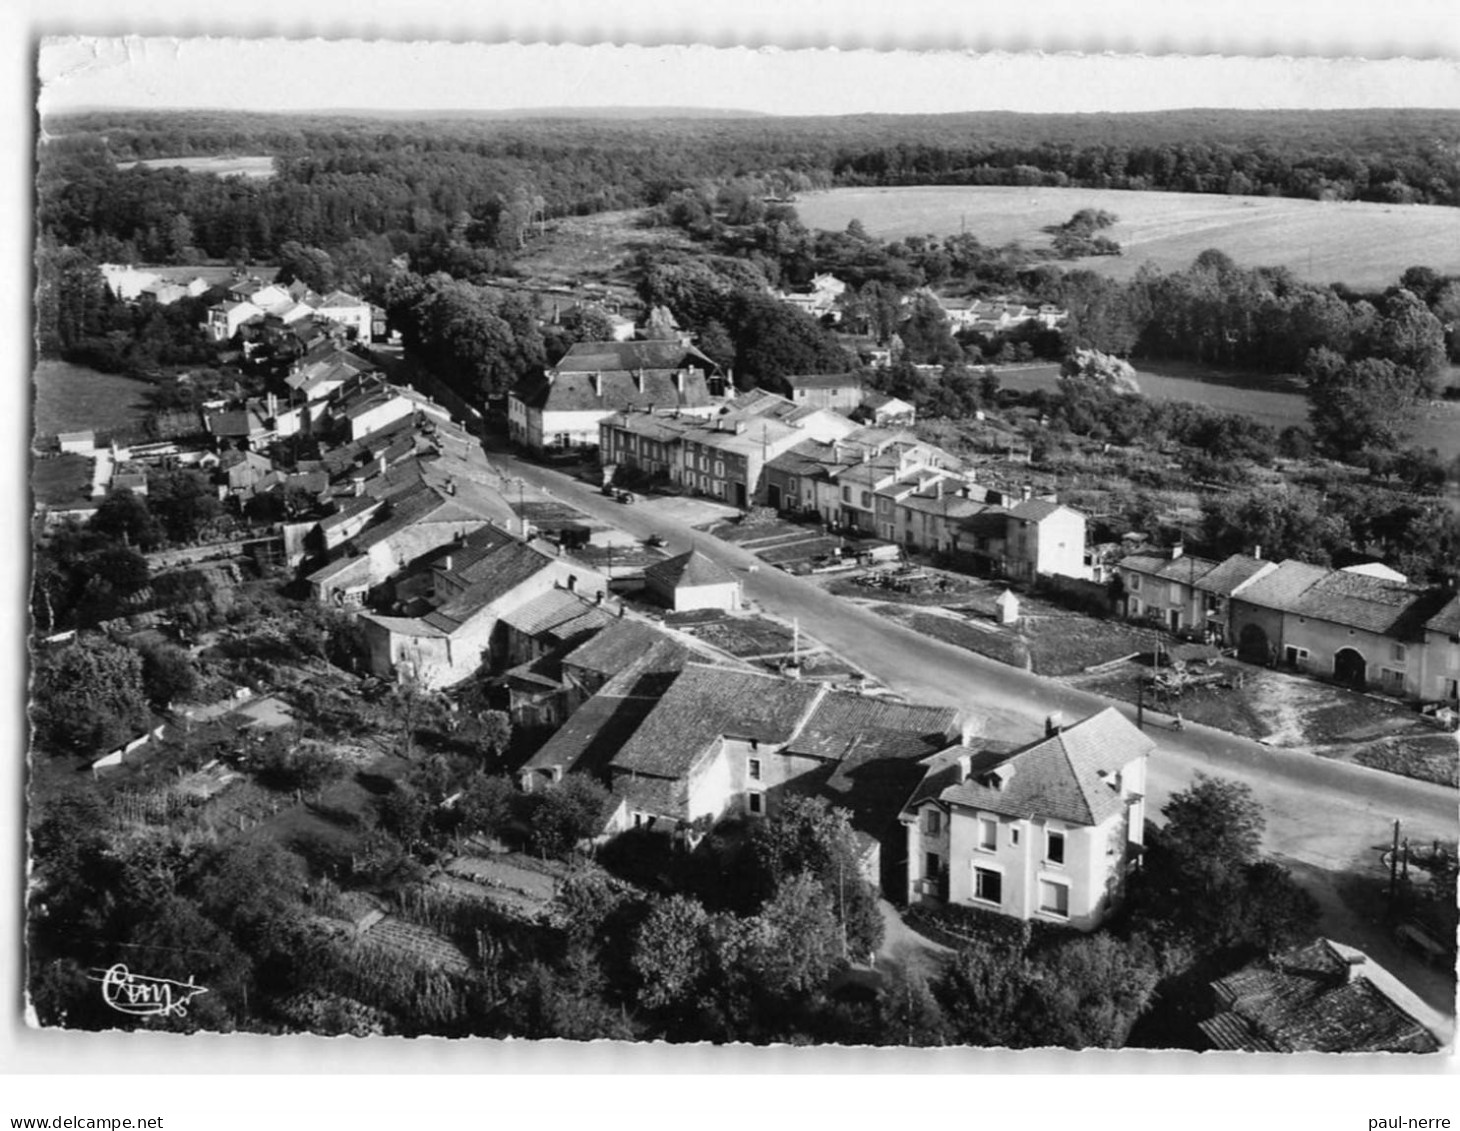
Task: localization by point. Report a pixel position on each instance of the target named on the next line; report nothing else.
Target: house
(323, 370)
(721, 742)
(246, 426)
(1323, 997)
(366, 403)
(1163, 587)
(723, 456)
(551, 622)
(77, 443)
(820, 300)
(354, 313)
(1220, 586)
(225, 319)
(241, 472)
(125, 281)
(839, 392)
(1045, 538)
(1048, 831)
(562, 407)
(692, 581)
(1439, 673)
(1259, 613)
(883, 411)
(471, 588)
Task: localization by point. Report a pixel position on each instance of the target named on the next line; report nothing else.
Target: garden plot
(397, 938)
(747, 637)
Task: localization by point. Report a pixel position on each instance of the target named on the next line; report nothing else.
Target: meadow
(1361, 244)
(261, 167)
(73, 398)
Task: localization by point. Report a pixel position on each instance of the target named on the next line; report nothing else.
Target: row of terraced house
(1365, 626)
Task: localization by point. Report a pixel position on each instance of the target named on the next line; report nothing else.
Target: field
(1277, 401)
(1363, 245)
(72, 398)
(256, 167)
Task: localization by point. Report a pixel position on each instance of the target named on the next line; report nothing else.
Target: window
(1397, 654)
(988, 885)
(1014, 835)
(846, 494)
(1135, 584)
(932, 822)
(932, 865)
(866, 500)
(754, 769)
(755, 803)
(1054, 846)
(988, 834)
(1054, 898)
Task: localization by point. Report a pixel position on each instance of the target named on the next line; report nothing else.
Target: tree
(125, 517)
(1088, 992)
(794, 943)
(88, 698)
(167, 673)
(1099, 369)
(485, 806)
(566, 813)
(1355, 406)
(805, 835)
(183, 504)
(983, 993)
(908, 1013)
(670, 954)
(1213, 828)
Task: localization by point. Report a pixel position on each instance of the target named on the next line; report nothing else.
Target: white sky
(279, 74)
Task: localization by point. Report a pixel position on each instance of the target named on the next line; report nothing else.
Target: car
(654, 540)
(627, 497)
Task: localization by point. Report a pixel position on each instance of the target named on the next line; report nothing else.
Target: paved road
(1327, 817)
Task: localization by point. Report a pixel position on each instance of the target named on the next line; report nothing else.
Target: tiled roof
(558, 614)
(342, 572)
(1306, 1001)
(1372, 604)
(1036, 510)
(1447, 620)
(844, 724)
(592, 735)
(705, 704)
(823, 381)
(1284, 587)
(1185, 568)
(604, 357)
(661, 797)
(687, 571)
(1065, 777)
(620, 391)
(494, 577)
(613, 649)
(1229, 575)
(406, 626)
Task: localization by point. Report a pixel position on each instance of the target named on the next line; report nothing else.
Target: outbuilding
(692, 581)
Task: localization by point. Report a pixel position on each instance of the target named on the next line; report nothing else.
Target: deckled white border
(1420, 29)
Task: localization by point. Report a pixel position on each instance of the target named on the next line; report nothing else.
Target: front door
(1175, 615)
(740, 495)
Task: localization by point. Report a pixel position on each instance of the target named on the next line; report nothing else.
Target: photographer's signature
(141, 996)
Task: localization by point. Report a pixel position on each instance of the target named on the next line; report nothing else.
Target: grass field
(256, 167)
(72, 398)
(1363, 245)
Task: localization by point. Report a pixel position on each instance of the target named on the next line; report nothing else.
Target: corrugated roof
(1065, 777)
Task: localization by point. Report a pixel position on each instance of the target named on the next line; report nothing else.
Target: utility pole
(1140, 704)
(1394, 867)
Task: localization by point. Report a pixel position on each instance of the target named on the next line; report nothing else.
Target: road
(1324, 818)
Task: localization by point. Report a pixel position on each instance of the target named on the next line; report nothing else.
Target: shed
(77, 443)
(692, 581)
(1008, 607)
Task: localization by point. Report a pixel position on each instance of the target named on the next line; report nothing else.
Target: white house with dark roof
(692, 581)
(1439, 671)
(562, 407)
(1047, 831)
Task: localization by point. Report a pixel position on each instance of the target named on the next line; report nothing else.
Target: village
(470, 591)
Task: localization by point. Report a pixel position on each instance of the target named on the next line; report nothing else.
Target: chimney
(1027, 492)
(938, 487)
(836, 452)
(380, 464)
(1054, 724)
(450, 484)
(739, 427)
(598, 382)
(273, 405)
(1177, 550)
(639, 379)
(446, 563)
(965, 766)
(1355, 971)
(1257, 552)
(679, 381)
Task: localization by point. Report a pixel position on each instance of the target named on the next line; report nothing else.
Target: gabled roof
(559, 615)
(614, 391)
(844, 724)
(1067, 776)
(1231, 574)
(1306, 1001)
(706, 704)
(687, 571)
(605, 357)
(1447, 620)
(1284, 587)
(616, 647)
(494, 577)
(1037, 510)
(823, 381)
(1186, 568)
(1372, 604)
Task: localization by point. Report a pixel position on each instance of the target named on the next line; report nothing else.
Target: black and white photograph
(685, 544)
